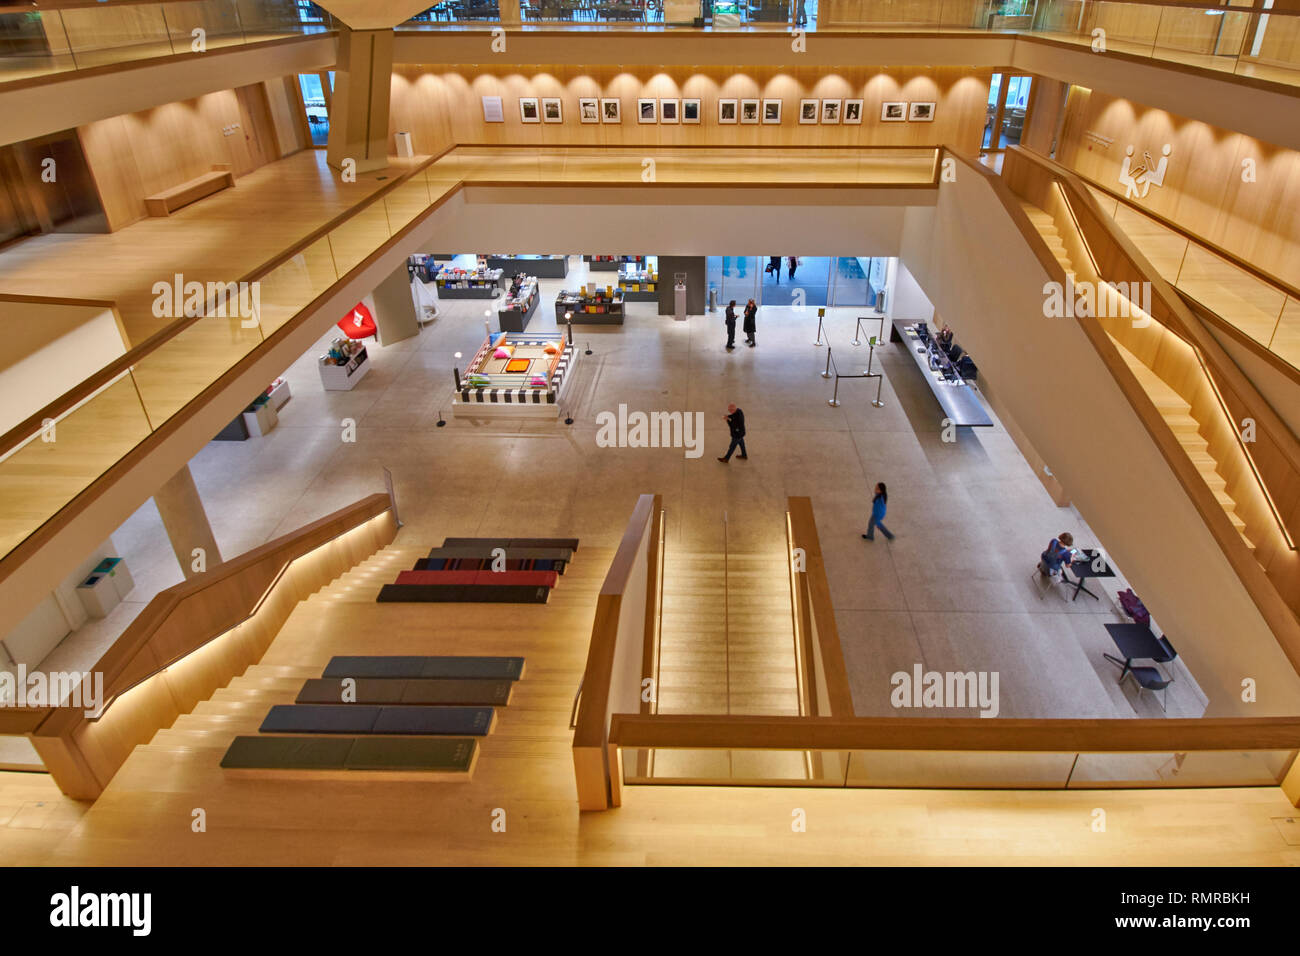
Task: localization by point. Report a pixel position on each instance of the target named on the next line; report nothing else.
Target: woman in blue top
(1059, 551)
(878, 504)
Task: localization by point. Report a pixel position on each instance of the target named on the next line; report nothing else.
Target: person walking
(774, 267)
(735, 419)
(751, 322)
(878, 506)
(794, 264)
(731, 325)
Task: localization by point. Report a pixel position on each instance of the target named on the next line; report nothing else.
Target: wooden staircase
(727, 640)
(1174, 409)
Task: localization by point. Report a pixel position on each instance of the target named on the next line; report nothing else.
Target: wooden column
(186, 522)
(359, 106)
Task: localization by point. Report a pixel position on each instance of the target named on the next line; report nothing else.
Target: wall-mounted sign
(1138, 180)
(492, 111)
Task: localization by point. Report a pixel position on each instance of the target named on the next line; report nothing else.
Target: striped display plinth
(517, 402)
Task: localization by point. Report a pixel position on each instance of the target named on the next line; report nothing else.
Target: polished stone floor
(953, 592)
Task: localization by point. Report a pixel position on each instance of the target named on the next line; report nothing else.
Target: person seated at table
(944, 338)
(1058, 553)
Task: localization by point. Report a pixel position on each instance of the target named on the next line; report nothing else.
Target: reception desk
(960, 403)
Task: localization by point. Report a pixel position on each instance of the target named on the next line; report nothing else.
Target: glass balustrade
(1239, 41)
(952, 769)
(41, 42)
(38, 477)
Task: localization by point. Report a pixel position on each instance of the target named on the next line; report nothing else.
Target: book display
(543, 267)
(519, 305)
(346, 364)
(603, 263)
(480, 283)
(590, 306)
(639, 283)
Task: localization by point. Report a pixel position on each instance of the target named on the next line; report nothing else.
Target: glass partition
(953, 769)
(36, 43)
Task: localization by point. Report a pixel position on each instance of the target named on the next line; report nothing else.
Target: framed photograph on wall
(589, 109)
(727, 111)
(749, 111)
(772, 112)
(892, 112)
(645, 111)
(807, 111)
(610, 111)
(492, 111)
(690, 111)
(921, 113)
(853, 112)
(831, 110)
(669, 111)
(529, 112)
(551, 112)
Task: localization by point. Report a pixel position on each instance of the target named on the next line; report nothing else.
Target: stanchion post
(835, 398)
(827, 373)
(880, 382)
(857, 332)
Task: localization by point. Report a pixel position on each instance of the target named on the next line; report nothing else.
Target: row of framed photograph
(548, 109)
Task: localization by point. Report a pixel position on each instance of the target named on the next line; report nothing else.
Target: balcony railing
(40, 42)
(54, 456)
(1231, 36)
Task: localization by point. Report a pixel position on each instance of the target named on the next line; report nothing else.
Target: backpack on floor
(1133, 607)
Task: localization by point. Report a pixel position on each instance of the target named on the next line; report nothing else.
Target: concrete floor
(952, 592)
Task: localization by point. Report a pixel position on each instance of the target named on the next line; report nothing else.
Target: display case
(590, 306)
(543, 267)
(638, 284)
(517, 309)
(603, 263)
(346, 364)
(480, 283)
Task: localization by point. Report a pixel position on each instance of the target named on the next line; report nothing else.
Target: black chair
(1169, 653)
(955, 353)
(1150, 678)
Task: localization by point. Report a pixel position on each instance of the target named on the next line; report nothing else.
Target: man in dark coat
(736, 422)
(751, 322)
(731, 325)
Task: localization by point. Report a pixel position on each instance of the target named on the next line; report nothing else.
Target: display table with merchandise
(638, 285)
(515, 374)
(603, 263)
(544, 267)
(481, 283)
(346, 364)
(590, 306)
(517, 309)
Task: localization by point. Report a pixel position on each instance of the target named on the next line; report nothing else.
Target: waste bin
(713, 299)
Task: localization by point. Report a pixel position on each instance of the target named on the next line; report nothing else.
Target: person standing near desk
(1059, 551)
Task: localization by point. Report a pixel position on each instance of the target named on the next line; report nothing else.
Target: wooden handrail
(1218, 366)
(1281, 284)
(74, 396)
(244, 582)
(815, 591)
(1001, 734)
